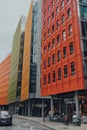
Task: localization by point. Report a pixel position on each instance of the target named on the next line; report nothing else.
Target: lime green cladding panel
(14, 65)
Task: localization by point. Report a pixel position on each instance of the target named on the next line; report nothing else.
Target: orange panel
(71, 83)
(26, 58)
(4, 79)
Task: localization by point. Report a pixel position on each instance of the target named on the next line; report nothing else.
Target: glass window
(84, 29)
(52, 2)
(44, 79)
(58, 38)
(63, 34)
(72, 68)
(57, 10)
(52, 15)
(63, 18)
(53, 58)
(44, 64)
(65, 71)
(62, 4)
(48, 47)
(83, 1)
(58, 55)
(48, 61)
(59, 73)
(54, 76)
(70, 29)
(48, 8)
(83, 11)
(85, 68)
(64, 52)
(57, 24)
(19, 76)
(71, 47)
(85, 47)
(48, 78)
(69, 12)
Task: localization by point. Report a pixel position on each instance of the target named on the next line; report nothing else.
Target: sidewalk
(54, 125)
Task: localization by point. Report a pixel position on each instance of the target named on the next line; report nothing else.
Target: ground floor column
(29, 108)
(42, 107)
(59, 107)
(77, 104)
(51, 105)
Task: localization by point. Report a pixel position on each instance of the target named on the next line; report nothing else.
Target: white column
(59, 107)
(77, 103)
(42, 107)
(52, 105)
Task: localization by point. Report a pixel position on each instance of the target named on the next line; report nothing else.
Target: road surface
(21, 124)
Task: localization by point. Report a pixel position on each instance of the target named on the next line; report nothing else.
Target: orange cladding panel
(4, 79)
(26, 58)
(60, 33)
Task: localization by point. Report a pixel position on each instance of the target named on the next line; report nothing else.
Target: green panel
(14, 65)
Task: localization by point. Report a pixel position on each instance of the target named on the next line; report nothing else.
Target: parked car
(5, 118)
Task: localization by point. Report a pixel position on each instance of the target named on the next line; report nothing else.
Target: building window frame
(70, 29)
(49, 47)
(58, 39)
(58, 55)
(72, 68)
(49, 78)
(59, 74)
(69, 13)
(44, 64)
(65, 71)
(53, 42)
(63, 18)
(64, 34)
(53, 58)
(57, 24)
(48, 61)
(64, 52)
(54, 76)
(71, 48)
(44, 79)
(52, 15)
(53, 28)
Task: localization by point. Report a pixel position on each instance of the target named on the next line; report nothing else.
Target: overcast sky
(10, 13)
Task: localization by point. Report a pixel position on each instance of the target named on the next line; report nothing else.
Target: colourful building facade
(62, 56)
(26, 58)
(4, 80)
(16, 63)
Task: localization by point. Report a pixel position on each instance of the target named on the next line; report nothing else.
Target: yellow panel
(26, 58)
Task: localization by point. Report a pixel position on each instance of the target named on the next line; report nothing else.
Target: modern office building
(31, 99)
(14, 89)
(64, 53)
(4, 80)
